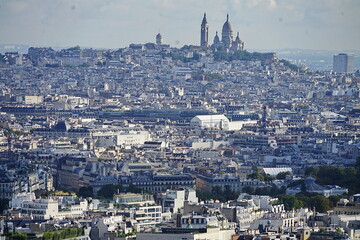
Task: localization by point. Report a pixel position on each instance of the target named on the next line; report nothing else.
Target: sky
(262, 24)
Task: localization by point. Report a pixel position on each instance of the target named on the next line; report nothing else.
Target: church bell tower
(204, 37)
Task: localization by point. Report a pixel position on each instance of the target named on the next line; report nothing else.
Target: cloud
(113, 7)
(272, 4)
(16, 6)
(268, 4)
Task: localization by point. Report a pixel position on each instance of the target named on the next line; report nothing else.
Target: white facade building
(154, 212)
(173, 200)
(276, 221)
(49, 208)
(33, 99)
(133, 138)
(219, 121)
(41, 208)
(19, 198)
(210, 121)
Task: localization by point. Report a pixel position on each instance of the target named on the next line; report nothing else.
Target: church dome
(227, 26)
(227, 33)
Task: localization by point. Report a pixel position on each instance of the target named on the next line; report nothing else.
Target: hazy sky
(263, 24)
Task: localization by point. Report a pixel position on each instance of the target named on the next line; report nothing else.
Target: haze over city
(262, 24)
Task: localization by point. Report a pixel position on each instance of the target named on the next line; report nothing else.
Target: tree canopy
(347, 177)
(282, 175)
(218, 194)
(85, 192)
(77, 47)
(4, 203)
(108, 190)
(289, 65)
(239, 55)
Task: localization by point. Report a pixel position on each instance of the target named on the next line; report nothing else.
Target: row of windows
(288, 223)
(237, 185)
(164, 183)
(182, 178)
(36, 212)
(154, 215)
(151, 210)
(194, 220)
(6, 185)
(348, 213)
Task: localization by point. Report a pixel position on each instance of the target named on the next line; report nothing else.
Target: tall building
(158, 39)
(204, 37)
(343, 63)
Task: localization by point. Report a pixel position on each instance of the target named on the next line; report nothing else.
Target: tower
(343, 63)
(204, 36)
(216, 39)
(227, 34)
(158, 39)
(238, 44)
(263, 118)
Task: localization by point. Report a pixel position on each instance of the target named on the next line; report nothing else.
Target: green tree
(282, 190)
(256, 174)
(221, 56)
(268, 178)
(229, 194)
(282, 175)
(289, 65)
(48, 235)
(204, 195)
(311, 171)
(4, 204)
(262, 191)
(288, 201)
(303, 187)
(357, 164)
(18, 236)
(295, 183)
(85, 192)
(73, 232)
(76, 48)
(56, 235)
(134, 189)
(321, 203)
(108, 191)
(218, 193)
(291, 202)
(330, 175)
(248, 189)
(80, 232)
(62, 234)
(274, 190)
(334, 199)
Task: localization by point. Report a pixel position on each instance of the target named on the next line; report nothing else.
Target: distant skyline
(263, 24)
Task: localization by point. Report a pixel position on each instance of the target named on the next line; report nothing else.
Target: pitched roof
(276, 171)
